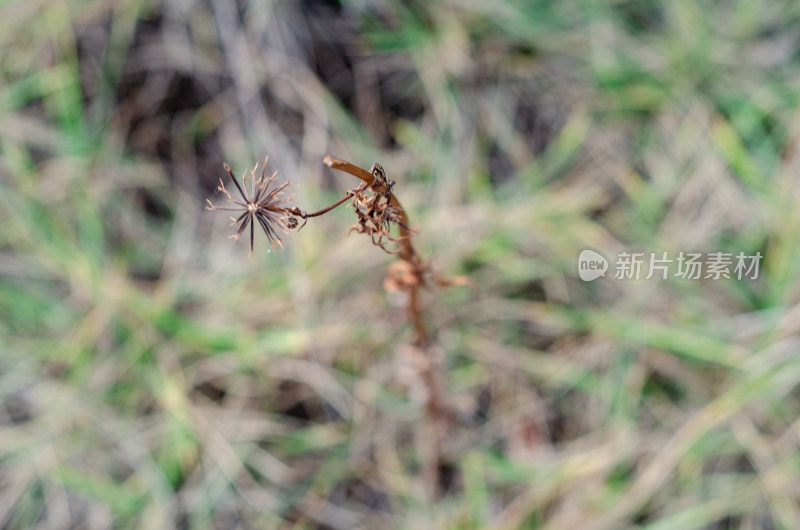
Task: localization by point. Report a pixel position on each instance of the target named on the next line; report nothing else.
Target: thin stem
(233, 178)
(331, 207)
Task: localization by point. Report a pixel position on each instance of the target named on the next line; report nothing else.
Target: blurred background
(153, 374)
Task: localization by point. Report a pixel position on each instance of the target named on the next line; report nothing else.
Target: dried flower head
(376, 212)
(265, 206)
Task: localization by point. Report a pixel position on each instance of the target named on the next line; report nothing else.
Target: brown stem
(436, 410)
(298, 212)
(407, 251)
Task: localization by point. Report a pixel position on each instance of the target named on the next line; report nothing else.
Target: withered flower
(265, 206)
(376, 212)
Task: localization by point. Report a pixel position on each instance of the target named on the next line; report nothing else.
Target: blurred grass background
(153, 375)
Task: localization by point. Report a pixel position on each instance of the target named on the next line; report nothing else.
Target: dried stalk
(430, 371)
(407, 251)
(376, 214)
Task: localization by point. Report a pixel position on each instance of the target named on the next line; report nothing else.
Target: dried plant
(378, 211)
(375, 211)
(263, 205)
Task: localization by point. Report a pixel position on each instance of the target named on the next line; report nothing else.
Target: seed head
(265, 206)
